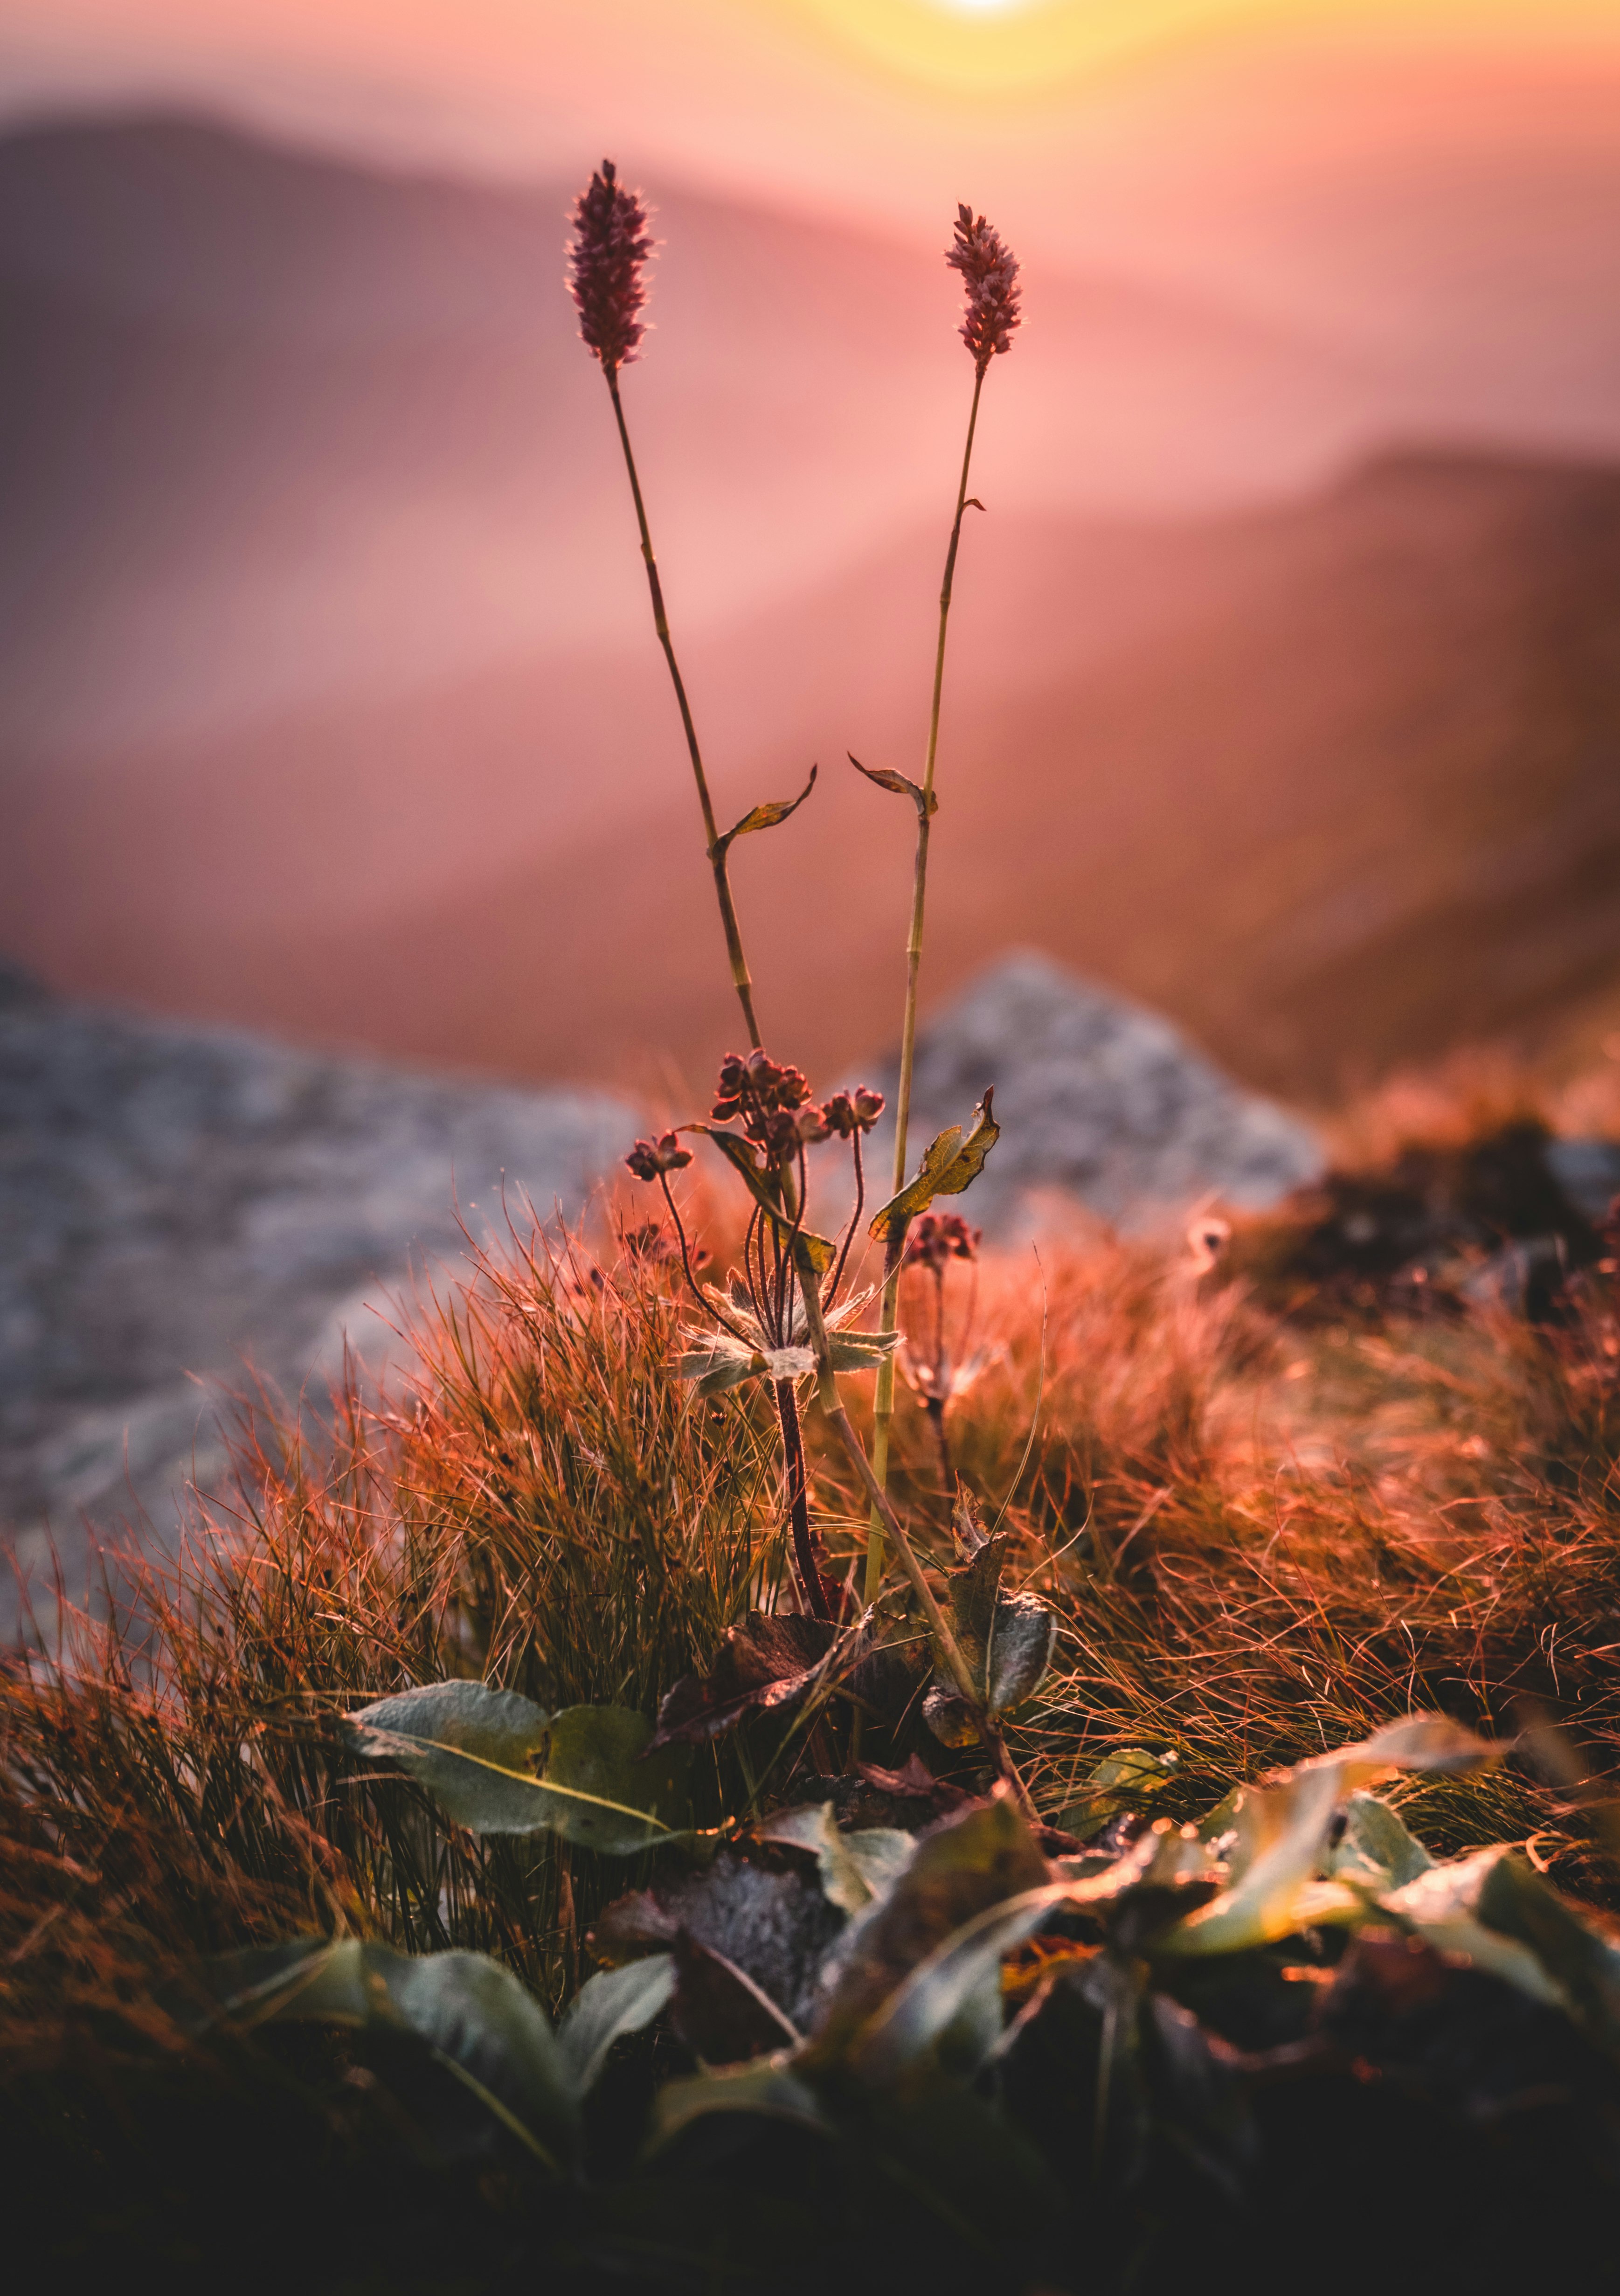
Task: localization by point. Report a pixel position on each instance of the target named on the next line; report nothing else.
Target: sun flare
(990, 48)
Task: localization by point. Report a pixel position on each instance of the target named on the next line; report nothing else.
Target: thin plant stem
(883, 1408)
(741, 980)
(945, 1641)
(799, 1499)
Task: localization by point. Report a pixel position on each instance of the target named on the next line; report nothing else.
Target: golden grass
(1261, 1539)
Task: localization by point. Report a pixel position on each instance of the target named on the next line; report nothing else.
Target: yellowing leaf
(950, 1165)
(768, 815)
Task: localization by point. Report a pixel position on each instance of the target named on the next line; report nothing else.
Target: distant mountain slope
(1354, 799)
(1334, 785)
(274, 429)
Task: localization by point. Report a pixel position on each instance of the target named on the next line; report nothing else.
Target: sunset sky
(1079, 116)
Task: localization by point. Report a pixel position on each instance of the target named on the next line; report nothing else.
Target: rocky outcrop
(1098, 1098)
(181, 1208)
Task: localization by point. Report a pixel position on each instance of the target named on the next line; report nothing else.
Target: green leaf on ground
(1275, 1837)
(765, 2087)
(1006, 1639)
(476, 1749)
(857, 1868)
(614, 2000)
(963, 1870)
(480, 2022)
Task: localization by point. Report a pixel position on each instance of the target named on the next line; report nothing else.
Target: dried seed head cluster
(938, 1237)
(611, 243)
(989, 270)
(651, 1158)
(850, 1113)
(773, 1100)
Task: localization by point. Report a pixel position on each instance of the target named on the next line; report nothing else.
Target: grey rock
(1528, 1268)
(1100, 1099)
(1589, 1173)
(182, 1209)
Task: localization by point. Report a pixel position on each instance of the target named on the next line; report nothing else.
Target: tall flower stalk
(610, 249)
(989, 271)
(781, 1317)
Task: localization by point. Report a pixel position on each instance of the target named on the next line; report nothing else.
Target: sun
(997, 47)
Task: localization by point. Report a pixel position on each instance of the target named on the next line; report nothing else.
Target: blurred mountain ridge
(328, 702)
(275, 427)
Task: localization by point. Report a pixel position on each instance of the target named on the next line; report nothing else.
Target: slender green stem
(741, 980)
(837, 1418)
(945, 1641)
(798, 1500)
(884, 1401)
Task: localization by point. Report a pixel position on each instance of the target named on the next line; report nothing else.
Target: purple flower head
(847, 1113)
(990, 272)
(611, 243)
(938, 1237)
(650, 1158)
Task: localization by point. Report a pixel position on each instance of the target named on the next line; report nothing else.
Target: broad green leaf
(1006, 1639)
(1497, 1910)
(481, 2023)
(950, 1165)
(855, 1868)
(475, 1749)
(476, 2018)
(925, 800)
(1022, 1633)
(980, 1860)
(1515, 1901)
(1443, 1906)
(1376, 1851)
(763, 817)
(261, 1982)
(1279, 1835)
(959, 1980)
(955, 1989)
(765, 2086)
(614, 2000)
(1131, 1773)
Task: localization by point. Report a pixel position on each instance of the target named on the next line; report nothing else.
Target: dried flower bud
(811, 1124)
(757, 1089)
(847, 1113)
(778, 1136)
(729, 1088)
(989, 270)
(649, 1158)
(941, 1237)
(611, 243)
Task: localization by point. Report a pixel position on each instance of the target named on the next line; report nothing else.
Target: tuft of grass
(1260, 1538)
(539, 1503)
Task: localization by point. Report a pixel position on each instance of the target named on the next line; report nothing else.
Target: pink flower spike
(990, 271)
(611, 245)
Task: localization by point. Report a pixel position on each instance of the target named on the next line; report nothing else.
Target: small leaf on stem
(769, 815)
(925, 800)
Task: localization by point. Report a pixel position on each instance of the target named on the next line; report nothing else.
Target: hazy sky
(1076, 112)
